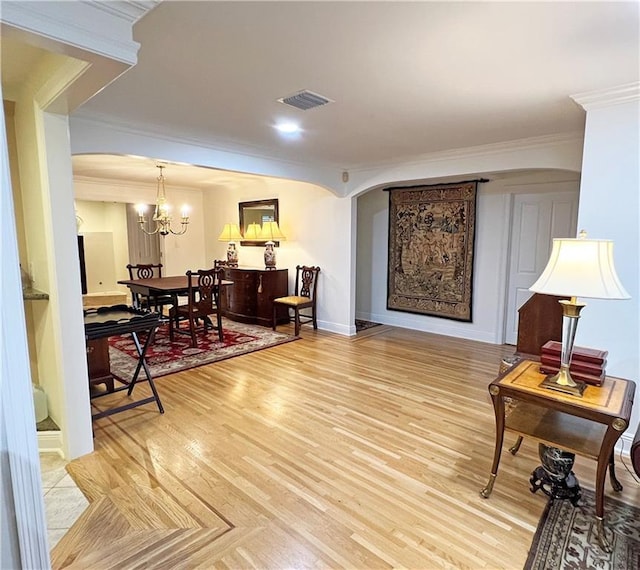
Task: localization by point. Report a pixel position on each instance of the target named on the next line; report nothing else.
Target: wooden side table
(587, 426)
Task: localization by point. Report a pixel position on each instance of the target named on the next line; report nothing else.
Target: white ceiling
(407, 78)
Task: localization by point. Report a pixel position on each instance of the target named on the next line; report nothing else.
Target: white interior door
(536, 219)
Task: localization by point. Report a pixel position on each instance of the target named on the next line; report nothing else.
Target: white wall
(610, 209)
(315, 223)
(490, 259)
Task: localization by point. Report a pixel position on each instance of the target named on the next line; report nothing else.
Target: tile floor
(63, 501)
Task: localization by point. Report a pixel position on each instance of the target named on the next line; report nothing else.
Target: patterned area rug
(364, 325)
(566, 536)
(166, 357)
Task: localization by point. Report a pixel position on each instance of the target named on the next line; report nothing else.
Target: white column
(66, 296)
(24, 538)
(610, 209)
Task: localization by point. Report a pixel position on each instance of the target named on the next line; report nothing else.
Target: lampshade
(252, 232)
(230, 232)
(581, 268)
(271, 232)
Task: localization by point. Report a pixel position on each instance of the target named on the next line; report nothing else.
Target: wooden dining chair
(303, 298)
(148, 271)
(203, 301)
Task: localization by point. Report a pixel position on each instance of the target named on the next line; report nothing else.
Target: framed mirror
(257, 212)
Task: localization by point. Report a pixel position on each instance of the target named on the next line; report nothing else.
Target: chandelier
(161, 215)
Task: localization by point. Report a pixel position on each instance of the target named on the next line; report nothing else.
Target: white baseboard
(50, 442)
(430, 325)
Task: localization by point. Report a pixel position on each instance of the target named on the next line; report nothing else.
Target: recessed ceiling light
(288, 128)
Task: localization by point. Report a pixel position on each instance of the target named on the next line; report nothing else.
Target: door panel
(535, 221)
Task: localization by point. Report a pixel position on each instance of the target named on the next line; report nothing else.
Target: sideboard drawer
(250, 298)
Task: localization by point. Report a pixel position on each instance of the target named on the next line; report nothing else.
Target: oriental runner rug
(566, 536)
(166, 357)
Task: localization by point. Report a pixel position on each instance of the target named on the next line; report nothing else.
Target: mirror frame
(242, 206)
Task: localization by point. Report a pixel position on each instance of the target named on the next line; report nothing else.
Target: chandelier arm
(184, 229)
(148, 232)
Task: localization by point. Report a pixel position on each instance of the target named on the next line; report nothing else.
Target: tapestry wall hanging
(431, 235)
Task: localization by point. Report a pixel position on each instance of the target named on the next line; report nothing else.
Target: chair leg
(275, 314)
(171, 326)
(297, 320)
(315, 321)
(192, 330)
(220, 331)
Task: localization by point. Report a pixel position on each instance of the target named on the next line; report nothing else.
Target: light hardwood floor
(329, 452)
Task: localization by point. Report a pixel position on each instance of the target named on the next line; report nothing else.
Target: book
(553, 347)
(577, 365)
(577, 376)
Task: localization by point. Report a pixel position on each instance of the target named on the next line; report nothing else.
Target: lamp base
(232, 255)
(269, 256)
(551, 383)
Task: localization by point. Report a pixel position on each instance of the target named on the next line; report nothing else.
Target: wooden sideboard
(98, 363)
(250, 298)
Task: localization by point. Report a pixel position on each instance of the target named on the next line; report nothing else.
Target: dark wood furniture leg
(516, 446)
(615, 484)
(604, 461)
(498, 407)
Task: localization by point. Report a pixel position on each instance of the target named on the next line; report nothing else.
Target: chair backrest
(307, 281)
(220, 263)
(203, 290)
(144, 271)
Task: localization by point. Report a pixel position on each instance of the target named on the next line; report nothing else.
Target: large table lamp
(271, 233)
(231, 233)
(577, 267)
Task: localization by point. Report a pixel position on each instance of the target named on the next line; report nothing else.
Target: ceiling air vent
(305, 100)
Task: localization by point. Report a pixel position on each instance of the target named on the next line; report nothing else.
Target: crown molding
(129, 10)
(86, 26)
(608, 97)
(517, 145)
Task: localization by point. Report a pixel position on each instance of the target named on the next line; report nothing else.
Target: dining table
(155, 286)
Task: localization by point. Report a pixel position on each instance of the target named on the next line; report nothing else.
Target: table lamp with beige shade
(252, 233)
(270, 232)
(231, 234)
(577, 267)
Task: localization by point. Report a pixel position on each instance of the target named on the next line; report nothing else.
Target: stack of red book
(587, 364)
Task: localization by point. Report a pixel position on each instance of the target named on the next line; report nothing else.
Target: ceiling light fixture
(288, 128)
(161, 215)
